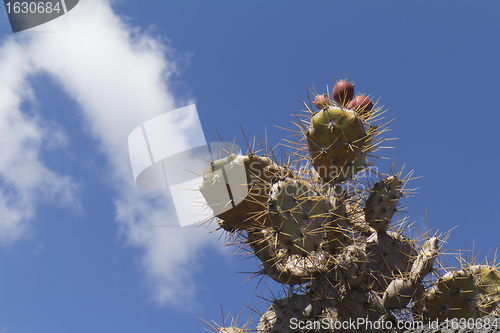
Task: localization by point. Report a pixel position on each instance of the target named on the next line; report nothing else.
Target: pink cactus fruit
(361, 103)
(321, 101)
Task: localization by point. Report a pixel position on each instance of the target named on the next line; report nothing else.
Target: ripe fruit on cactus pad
(321, 101)
(336, 138)
(361, 104)
(236, 188)
(343, 92)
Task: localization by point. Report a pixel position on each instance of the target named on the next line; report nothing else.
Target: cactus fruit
(330, 245)
(343, 92)
(361, 104)
(336, 139)
(381, 203)
(321, 101)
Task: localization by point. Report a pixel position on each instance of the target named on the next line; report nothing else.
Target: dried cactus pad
(305, 220)
(381, 203)
(237, 188)
(336, 138)
(453, 296)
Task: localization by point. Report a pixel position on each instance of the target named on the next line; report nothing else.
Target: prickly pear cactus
(304, 220)
(240, 207)
(487, 278)
(453, 296)
(324, 227)
(336, 139)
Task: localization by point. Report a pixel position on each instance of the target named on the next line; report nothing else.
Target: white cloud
(120, 78)
(23, 177)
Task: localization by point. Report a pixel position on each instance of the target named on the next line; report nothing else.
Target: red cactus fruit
(321, 101)
(343, 92)
(360, 103)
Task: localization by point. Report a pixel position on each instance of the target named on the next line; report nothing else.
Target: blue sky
(79, 249)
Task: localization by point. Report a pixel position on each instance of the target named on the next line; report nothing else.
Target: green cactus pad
(305, 221)
(381, 203)
(336, 139)
(389, 256)
(488, 281)
(453, 296)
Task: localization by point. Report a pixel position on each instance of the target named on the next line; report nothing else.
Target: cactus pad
(304, 220)
(453, 296)
(381, 203)
(389, 257)
(336, 138)
(488, 281)
(236, 188)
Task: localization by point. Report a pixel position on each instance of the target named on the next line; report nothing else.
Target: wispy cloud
(23, 178)
(120, 77)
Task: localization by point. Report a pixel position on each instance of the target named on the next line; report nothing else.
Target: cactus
(336, 138)
(487, 279)
(304, 220)
(453, 296)
(381, 204)
(326, 231)
(245, 204)
(468, 293)
(343, 92)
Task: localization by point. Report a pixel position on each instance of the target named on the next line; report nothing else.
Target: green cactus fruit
(381, 203)
(306, 221)
(453, 296)
(237, 187)
(336, 138)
